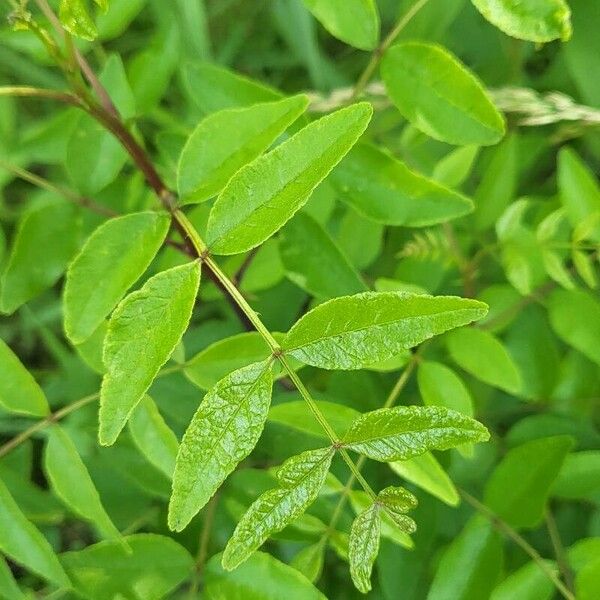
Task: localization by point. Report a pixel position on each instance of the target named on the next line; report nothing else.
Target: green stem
(25, 91)
(559, 549)
(202, 251)
(509, 532)
(385, 44)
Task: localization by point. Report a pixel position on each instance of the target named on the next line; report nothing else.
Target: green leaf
(518, 489)
(532, 20)
(227, 140)
(352, 332)
(300, 479)
(46, 239)
(527, 583)
(225, 356)
(579, 477)
(223, 432)
(22, 542)
(265, 194)
(440, 96)
(482, 355)
(214, 88)
(19, 391)
(153, 437)
(314, 262)
(364, 547)
(400, 433)
(309, 561)
(72, 483)
(355, 22)
(587, 582)
(384, 189)
(261, 577)
(575, 318)
(9, 590)
(153, 567)
(470, 566)
(142, 333)
(397, 501)
(578, 188)
(456, 166)
(76, 19)
(117, 254)
(427, 473)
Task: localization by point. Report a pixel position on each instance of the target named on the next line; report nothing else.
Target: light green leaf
(22, 542)
(482, 355)
(364, 547)
(9, 590)
(76, 19)
(154, 438)
(579, 477)
(575, 318)
(46, 239)
(397, 501)
(225, 356)
(265, 194)
(527, 583)
(352, 332)
(579, 190)
(456, 166)
(214, 88)
(471, 564)
(309, 561)
(439, 95)
(297, 416)
(19, 391)
(153, 567)
(300, 479)
(383, 189)
(227, 140)
(427, 473)
(355, 22)
(223, 432)
(587, 582)
(314, 262)
(400, 433)
(532, 20)
(117, 254)
(142, 333)
(261, 577)
(585, 268)
(72, 483)
(518, 489)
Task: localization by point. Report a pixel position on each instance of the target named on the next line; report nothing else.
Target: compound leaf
(19, 391)
(72, 483)
(352, 332)
(227, 140)
(300, 479)
(142, 333)
(117, 254)
(222, 433)
(532, 20)
(364, 547)
(400, 433)
(23, 542)
(262, 196)
(384, 189)
(439, 95)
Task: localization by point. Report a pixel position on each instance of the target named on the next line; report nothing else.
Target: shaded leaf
(117, 254)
